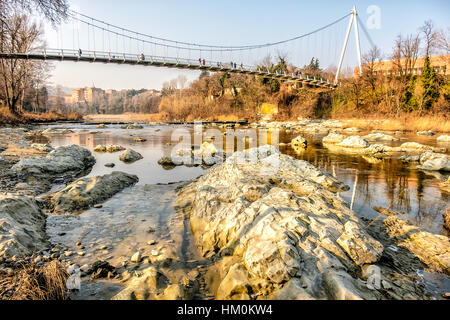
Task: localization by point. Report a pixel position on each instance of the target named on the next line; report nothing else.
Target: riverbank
(7, 118)
(141, 233)
(403, 123)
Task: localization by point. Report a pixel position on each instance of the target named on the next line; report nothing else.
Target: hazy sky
(236, 22)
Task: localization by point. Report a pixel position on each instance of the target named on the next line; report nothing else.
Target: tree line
(397, 93)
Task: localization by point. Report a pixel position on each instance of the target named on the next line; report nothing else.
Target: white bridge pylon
(353, 19)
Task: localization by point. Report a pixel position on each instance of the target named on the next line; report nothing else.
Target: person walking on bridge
(204, 62)
(80, 52)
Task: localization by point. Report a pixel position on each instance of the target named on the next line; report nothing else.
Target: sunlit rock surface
(284, 222)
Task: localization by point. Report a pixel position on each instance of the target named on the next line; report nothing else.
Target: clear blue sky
(235, 22)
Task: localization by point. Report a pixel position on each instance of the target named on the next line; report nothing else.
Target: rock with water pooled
(129, 155)
(353, 142)
(22, 226)
(108, 148)
(87, 192)
(280, 219)
(64, 160)
(443, 138)
(434, 161)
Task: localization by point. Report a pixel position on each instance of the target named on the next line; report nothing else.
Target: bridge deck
(102, 57)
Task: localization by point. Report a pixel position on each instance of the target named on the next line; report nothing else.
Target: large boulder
(129, 155)
(87, 192)
(22, 226)
(434, 161)
(64, 160)
(281, 219)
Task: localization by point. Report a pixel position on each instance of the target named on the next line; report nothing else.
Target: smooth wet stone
(110, 165)
(139, 139)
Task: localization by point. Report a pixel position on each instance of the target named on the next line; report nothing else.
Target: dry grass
(404, 123)
(6, 117)
(30, 282)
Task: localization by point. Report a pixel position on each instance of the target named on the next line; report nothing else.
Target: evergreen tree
(430, 85)
(409, 100)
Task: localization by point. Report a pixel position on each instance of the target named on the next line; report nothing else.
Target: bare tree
(405, 53)
(53, 10)
(21, 35)
(443, 40)
(430, 37)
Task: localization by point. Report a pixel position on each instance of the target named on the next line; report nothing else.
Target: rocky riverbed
(289, 226)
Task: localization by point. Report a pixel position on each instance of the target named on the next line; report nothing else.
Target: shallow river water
(121, 227)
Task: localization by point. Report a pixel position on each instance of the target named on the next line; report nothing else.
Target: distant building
(77, 95)
(441, 65)
(90, 94)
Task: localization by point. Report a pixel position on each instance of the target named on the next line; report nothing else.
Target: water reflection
(373, 182)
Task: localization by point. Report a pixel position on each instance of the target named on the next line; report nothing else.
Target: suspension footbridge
(102, 42)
